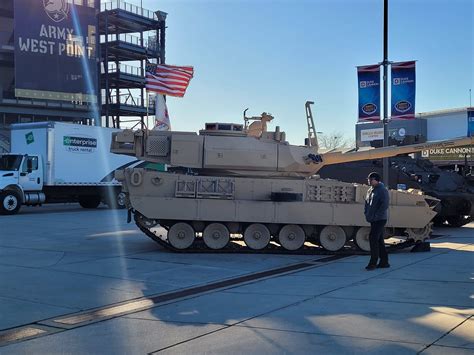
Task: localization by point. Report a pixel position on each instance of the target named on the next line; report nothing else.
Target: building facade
(427, 126)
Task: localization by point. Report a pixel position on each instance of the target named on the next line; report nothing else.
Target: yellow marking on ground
(18, 334)
(106, 312)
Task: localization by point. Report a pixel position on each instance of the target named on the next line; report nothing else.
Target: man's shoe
(370, 267)
(383, 266)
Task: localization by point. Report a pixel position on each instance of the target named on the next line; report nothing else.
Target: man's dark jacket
(376, 203)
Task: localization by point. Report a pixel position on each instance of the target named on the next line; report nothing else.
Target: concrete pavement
(62, 260)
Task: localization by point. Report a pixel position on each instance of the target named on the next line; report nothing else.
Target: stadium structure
(76, 61)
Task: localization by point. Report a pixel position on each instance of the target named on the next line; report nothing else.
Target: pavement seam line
(36, 302)
(398, 302)
(442, 336)
(187, 340)
(174, 321)
(454, 347)
(329, 335)
(425, 280)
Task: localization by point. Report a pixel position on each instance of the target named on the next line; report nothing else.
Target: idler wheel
(257, 236)
(362, 238)
(181, 235)
(332, 238)
(291, 237)
(216, 236)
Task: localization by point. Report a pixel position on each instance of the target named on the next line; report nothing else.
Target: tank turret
(229, 149)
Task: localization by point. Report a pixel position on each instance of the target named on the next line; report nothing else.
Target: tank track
(199, 247)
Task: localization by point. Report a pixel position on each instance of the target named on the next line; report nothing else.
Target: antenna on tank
(312, 140)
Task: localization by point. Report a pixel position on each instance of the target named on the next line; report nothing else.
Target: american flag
(168, 80)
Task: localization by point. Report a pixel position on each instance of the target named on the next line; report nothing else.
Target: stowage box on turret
(234, 181)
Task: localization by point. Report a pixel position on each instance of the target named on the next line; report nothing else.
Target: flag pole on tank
(166, 80)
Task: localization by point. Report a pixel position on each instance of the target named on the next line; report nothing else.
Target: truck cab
(21, 181)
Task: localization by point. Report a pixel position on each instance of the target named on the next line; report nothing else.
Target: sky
(273, 56)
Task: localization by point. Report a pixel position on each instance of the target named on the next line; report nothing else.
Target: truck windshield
(10, 162)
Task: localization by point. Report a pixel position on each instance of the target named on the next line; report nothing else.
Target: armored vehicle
(245, 183)
(455, 191)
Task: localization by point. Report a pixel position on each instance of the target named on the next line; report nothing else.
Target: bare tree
(334, 140)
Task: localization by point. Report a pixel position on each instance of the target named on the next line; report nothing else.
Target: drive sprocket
(419, 234)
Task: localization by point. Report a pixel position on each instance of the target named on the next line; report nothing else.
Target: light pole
(385, 90)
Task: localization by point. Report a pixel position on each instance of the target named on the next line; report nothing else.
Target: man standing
(376, 206)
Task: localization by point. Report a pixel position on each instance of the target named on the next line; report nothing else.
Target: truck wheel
(117, 201)
(10, 202)
(89, 201)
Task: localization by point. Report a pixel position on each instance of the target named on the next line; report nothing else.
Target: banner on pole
(470, 123)
(162, 119)
(369, 92)
(403, 90)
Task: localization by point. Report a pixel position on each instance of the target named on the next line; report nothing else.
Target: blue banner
(55, 50)
(369, 92)
(470, 123)
(403, 90)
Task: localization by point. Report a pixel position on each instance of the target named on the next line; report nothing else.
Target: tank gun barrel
(387, 152)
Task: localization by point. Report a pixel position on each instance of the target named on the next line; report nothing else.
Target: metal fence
(125, 99)
(122, 5)
(90, 3)
(130, 100)
(124, 68)
(124, 37)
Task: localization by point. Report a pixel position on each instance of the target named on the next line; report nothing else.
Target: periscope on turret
(234, 181)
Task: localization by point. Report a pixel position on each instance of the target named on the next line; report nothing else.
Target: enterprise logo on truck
(79, 144)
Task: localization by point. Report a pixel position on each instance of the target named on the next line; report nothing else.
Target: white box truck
(60, 162)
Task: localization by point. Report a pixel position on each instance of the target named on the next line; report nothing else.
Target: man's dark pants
(377, 243)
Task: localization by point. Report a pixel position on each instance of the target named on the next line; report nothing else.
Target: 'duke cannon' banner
(403, 90)
(369, 92)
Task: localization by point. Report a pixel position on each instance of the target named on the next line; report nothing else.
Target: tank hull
(235, 202)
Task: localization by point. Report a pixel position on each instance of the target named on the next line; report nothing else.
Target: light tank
(232, 183)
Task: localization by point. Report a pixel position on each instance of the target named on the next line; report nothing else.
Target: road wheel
(10, 202)
(291, 237)
(89, 201)
(361, 238)
(181, 235)
(117, 201)
(332, 238)
(257, 236)
(216, 236)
